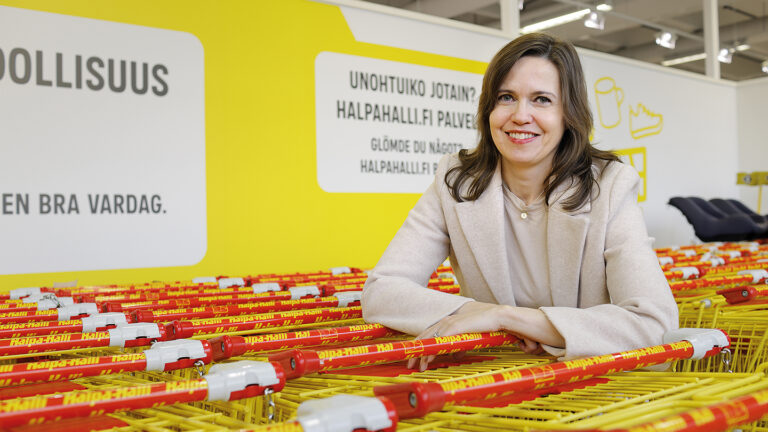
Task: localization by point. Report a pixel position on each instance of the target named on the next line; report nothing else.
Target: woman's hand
(530, 346)
(472, 317)
(530, 325)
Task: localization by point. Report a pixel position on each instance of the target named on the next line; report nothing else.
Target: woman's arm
(474, 317)
(395, 293)
(530, 325)
(642, 308)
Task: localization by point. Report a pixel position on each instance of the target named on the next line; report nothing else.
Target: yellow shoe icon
(643, 122)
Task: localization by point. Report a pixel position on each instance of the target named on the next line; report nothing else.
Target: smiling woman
(543, 230)
(527, 125)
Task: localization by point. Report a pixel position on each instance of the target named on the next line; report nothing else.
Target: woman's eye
(542, 100)
(506, 98)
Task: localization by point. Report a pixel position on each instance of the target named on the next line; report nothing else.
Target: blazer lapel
(482, 223)
(566, 238)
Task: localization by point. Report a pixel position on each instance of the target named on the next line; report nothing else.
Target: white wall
(752, 103)
(688, 155)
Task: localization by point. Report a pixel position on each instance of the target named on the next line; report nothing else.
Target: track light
(605, 6)
(595, 20)
(520, 4)
(765, 66)
(725, 55)
(666, 39)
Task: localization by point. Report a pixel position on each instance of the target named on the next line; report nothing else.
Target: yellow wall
(266, 212)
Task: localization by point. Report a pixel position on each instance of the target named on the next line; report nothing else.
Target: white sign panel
(382, 126)
(102, 157)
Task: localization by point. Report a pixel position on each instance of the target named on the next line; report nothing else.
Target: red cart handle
(721, 416)
(418, 399)
(301, 362)
(163, 356)
(230, 346)
(223, 382)
(186, 329)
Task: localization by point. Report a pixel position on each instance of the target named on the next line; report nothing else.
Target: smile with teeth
(521, 135)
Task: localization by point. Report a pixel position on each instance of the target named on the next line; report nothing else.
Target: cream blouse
(528, 266)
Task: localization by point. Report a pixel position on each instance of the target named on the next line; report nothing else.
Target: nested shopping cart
(320, 353)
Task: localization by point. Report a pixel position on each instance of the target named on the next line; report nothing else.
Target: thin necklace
(524, 210)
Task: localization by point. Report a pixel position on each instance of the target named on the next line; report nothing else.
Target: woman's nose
(521, 113)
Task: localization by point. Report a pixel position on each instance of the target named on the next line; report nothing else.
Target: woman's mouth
(521, 137)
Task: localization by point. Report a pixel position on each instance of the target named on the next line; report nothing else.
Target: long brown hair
(574, 155)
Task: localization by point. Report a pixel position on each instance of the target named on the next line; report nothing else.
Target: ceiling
(631, 27)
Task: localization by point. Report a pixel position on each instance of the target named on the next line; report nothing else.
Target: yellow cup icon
(609, 98)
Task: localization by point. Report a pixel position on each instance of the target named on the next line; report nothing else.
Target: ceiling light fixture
(605, 6)
(554, 22)
(520, 4)
(701, 56)
(595, 20)
(765, 66)
(685, 59)
(726, 55)
(666, 39)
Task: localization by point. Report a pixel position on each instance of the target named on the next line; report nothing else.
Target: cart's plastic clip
(347, 297)
(103, 320)
(263, 287)
(163, 353)
(304, 291)
(226, 378)
(340, 270)
(705, 342)
(204, 279)
(18, 293)
(758, 276)
(346, 413)
(67, 312)
(716, 261)
(119, 335)
(688, 272)
(230, 282)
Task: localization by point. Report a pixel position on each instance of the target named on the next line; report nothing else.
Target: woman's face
(527, 121)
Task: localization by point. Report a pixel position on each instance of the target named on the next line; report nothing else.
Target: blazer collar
(566, 239)
(482, 222)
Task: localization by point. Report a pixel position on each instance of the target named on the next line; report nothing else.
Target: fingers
(422, 362)
(529, 346)
(425, 361)
(457, 324)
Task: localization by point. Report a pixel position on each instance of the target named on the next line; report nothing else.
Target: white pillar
(711, 37)
(510, 17)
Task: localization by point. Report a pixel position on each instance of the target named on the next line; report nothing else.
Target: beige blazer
(607, 287)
